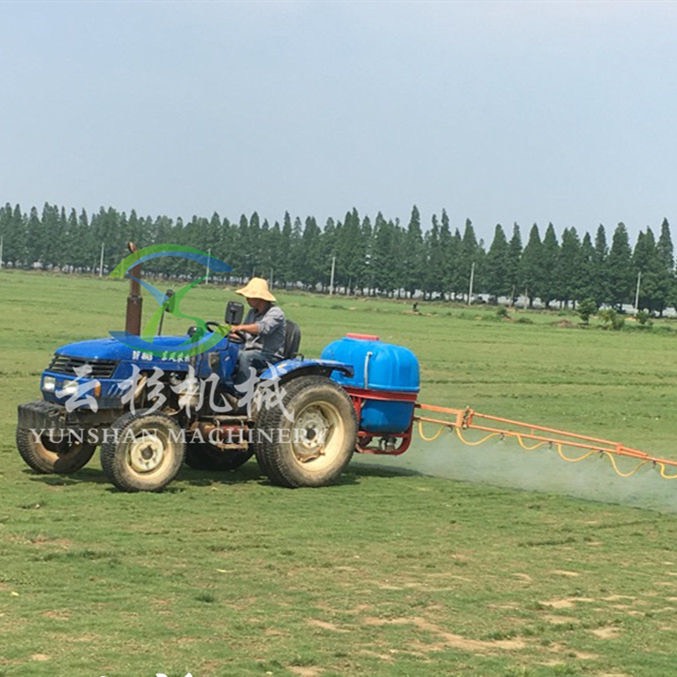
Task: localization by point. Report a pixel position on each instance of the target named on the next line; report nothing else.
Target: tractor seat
(292, 340)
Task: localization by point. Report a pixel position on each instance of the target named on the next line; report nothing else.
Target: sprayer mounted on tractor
(151, 409)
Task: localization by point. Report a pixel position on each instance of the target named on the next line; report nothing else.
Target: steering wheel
(233, 336)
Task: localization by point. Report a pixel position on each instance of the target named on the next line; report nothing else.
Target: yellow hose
(525, 447)
(478, 442)
(573, 460)
(663, 475)
(622, 474)
(429, 439)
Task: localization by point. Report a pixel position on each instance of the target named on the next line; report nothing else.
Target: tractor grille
(63, 364)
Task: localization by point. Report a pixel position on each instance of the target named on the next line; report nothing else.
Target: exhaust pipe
(134, 300)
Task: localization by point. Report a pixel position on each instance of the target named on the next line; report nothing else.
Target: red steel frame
(364, 444)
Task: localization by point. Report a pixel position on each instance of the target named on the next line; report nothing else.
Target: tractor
(152, 410)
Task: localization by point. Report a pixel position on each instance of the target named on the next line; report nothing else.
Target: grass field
(400, 569)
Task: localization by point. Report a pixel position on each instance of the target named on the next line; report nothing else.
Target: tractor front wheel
(46, 455)
(308, 438)
(142, 452)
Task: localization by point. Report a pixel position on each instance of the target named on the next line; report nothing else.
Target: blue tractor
(151, 411)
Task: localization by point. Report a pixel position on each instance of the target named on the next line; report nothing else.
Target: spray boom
(532, 437)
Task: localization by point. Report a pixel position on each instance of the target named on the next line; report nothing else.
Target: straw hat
(256, 288)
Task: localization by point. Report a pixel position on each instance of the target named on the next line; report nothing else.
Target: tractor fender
(293, 368)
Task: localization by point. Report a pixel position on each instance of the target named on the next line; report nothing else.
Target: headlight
(69, 389)
(74, 388)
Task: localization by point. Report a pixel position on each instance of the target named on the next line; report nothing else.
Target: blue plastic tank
(382, 370)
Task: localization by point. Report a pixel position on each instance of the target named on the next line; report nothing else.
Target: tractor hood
(114, 349)
(110, 363)
(96, 349)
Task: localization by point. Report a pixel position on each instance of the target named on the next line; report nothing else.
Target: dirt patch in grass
(608, 632)
(41, 540)
(579, 655)
(380, 656)
(559, 620)
(274, 632)
(566, 602)
(324, 625)
(618, 598)
(306, 670)
(56, 615)
(449, 639)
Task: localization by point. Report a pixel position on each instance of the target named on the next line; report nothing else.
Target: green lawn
(427, 564)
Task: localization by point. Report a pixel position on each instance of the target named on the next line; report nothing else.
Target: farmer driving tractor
(263, 331)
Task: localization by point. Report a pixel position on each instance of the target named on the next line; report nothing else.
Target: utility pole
(134, 300)
(209, 258)
(639, 280)
(472, 278)
(103, 248)
(331, 279)
(2, 241)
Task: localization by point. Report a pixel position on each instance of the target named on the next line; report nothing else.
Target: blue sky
(499, 112)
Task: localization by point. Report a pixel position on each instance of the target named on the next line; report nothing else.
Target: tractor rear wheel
(46, 456)
(203, 456)
(308, 438)
(145, 452)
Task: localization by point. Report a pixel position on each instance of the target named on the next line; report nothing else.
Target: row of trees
(379, 256)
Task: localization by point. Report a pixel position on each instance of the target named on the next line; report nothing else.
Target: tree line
(376, 256)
